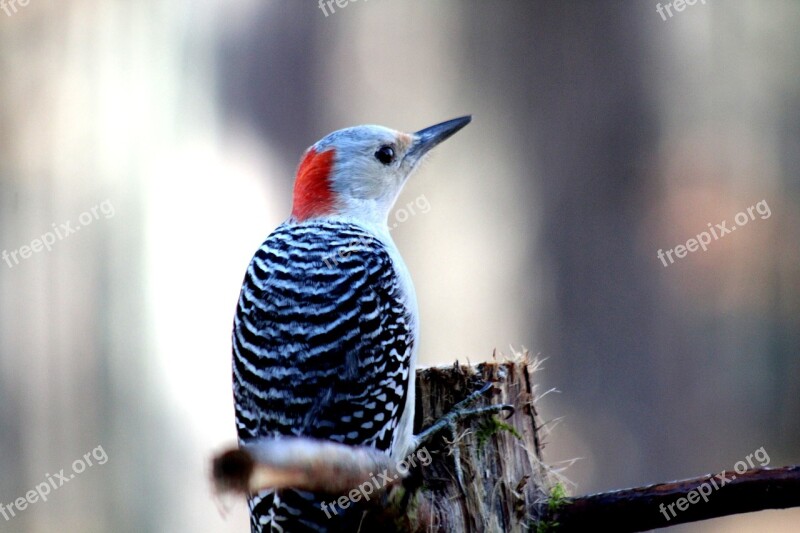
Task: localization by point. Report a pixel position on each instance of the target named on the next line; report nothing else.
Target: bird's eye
(385, 154)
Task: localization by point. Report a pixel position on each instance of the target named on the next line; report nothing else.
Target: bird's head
(358, 172)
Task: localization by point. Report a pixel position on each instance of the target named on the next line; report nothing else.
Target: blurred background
(156, 143)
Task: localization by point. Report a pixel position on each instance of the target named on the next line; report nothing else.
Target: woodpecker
(326, 328)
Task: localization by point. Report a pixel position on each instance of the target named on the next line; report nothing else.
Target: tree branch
(645, 508)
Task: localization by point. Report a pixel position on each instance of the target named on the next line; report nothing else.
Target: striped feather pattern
(322, 347)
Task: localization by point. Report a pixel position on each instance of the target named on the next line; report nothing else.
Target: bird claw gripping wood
(462, 411)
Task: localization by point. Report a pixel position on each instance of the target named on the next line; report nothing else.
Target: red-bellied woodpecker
(326, 329)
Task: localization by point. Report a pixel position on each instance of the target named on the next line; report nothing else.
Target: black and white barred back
(322, 344)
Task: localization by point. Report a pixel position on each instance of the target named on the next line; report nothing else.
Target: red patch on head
(313, 196)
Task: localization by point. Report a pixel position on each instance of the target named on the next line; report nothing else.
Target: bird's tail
(291, 511)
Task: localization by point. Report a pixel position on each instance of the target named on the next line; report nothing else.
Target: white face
(370, 168)
(365, 170)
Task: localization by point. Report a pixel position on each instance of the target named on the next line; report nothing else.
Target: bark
(505, 481)
(669, 504)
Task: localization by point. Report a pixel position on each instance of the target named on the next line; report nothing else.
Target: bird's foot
(461, 411)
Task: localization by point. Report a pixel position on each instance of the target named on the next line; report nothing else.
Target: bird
(326, 329)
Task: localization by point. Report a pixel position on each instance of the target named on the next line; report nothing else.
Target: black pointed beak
(429, 137)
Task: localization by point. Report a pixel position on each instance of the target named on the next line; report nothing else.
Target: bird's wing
(322, 339)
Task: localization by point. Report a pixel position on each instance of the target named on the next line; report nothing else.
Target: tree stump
(505, 482)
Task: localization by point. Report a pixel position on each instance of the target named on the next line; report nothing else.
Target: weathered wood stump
(505, 482)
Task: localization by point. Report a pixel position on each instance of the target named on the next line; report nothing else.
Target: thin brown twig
(679, 502)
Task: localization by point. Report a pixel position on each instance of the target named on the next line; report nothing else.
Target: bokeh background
(602, 133)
